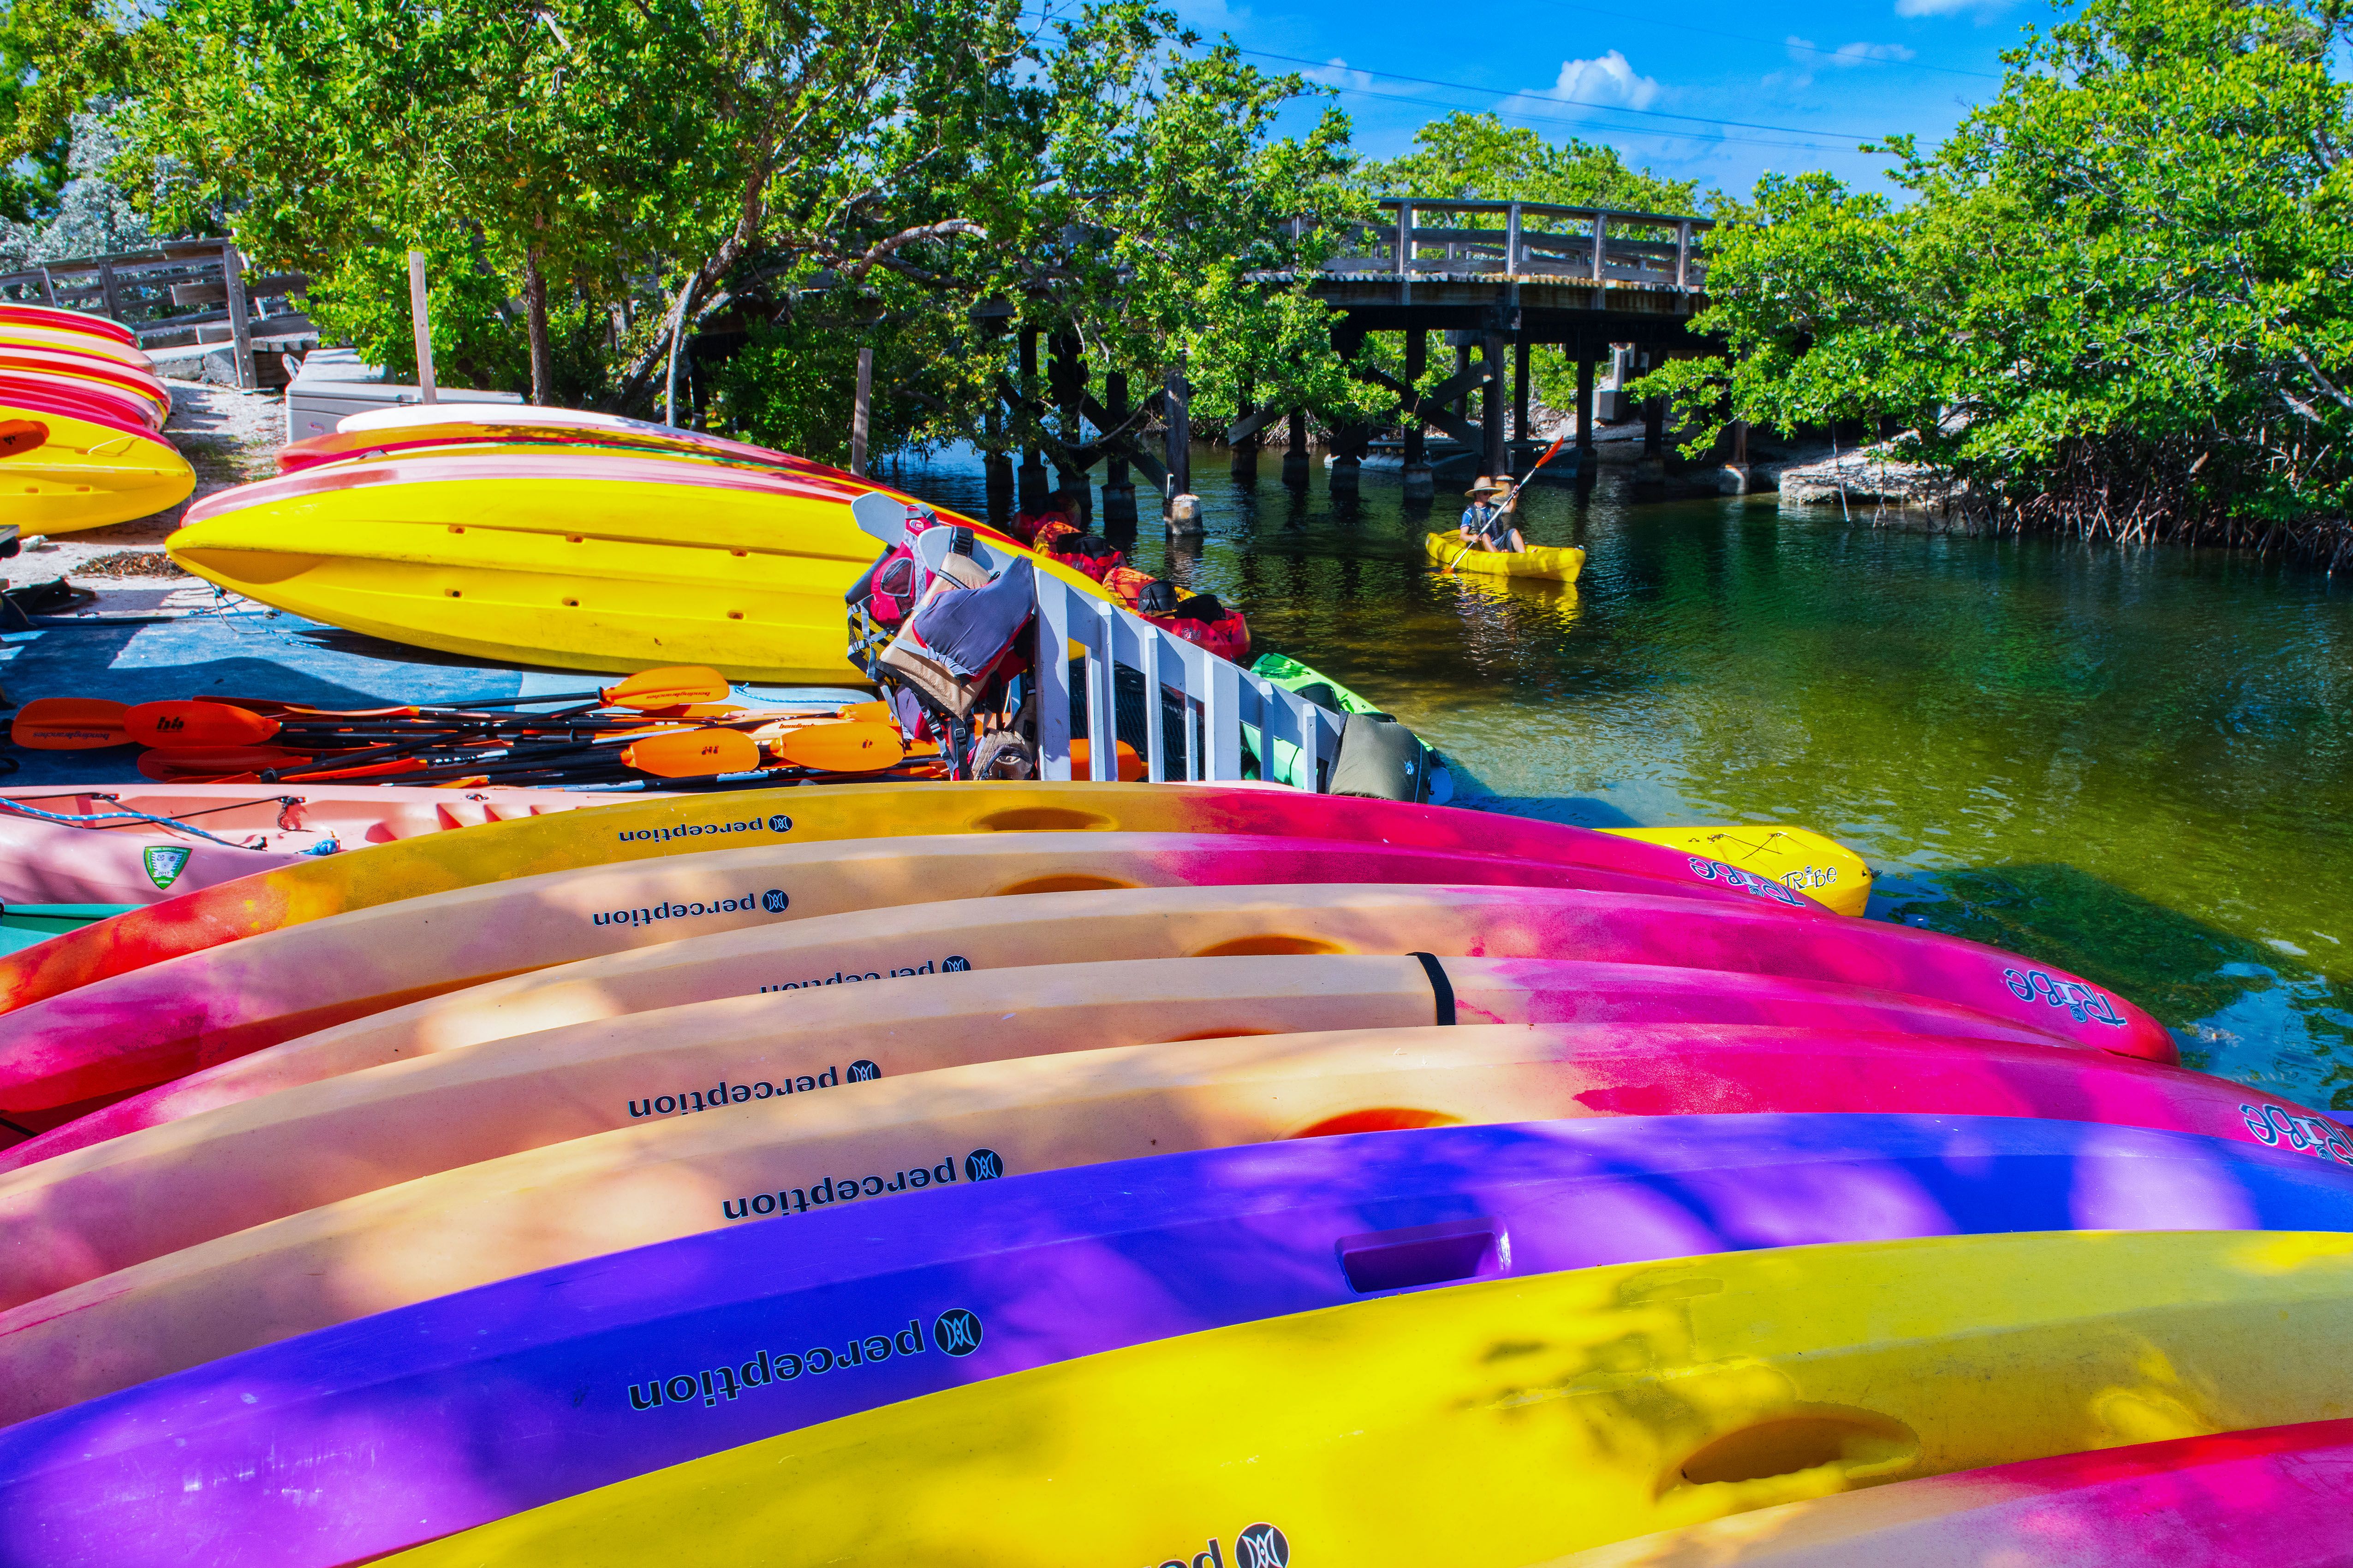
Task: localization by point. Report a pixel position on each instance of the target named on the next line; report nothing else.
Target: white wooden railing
(1217, 706)
(1527, 241)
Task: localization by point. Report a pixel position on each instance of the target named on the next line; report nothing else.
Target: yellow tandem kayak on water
(1556, 562)
(1500, 1425)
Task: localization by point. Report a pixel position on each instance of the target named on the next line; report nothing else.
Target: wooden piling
(861, 412)
(1118, 490)
(1583, 407)
(1294, 452)
(1498, 458)
(1030, 482)
(1177, 398)
(1418, 484)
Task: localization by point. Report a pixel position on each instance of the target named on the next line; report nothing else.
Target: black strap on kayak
(1441, 989)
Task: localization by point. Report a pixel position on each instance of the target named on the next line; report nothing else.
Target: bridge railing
(1531, 240)
(184, 298)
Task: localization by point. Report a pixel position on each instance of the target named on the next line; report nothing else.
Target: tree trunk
(534, 304)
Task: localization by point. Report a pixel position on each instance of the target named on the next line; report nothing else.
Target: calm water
(2135, 765)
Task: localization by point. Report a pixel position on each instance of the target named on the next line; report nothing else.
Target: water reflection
(2138, 764)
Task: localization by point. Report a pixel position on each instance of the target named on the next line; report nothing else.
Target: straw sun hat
(1487, 487)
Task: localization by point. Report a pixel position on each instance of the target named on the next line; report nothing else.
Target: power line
(1772, 42)
(1613, 129)
(1575, 102)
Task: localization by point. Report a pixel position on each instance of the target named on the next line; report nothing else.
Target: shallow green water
(2135, 765)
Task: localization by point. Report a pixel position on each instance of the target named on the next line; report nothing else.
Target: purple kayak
(397, 1428)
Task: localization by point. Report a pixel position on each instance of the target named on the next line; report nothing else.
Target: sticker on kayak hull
(164, 864)
(1746, 881)
(1260, 1546)
(2083, 1003)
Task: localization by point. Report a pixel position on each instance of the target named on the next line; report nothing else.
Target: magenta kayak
(163, 1021)
(2278, 1497)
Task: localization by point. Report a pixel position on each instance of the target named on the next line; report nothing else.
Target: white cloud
(1335, 72)
(1612, 79)
(1948, 7)
(1846, 57)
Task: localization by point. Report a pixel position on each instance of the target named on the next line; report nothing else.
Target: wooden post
(1683, 254)
(1245, 451)
(240, 325)
(1498, 459)
(113, 295)
(48, 289)
(1520, 386)
(1418, 484)
(1031, 493)
(1404, 253)
(420, 321)
(1600, 233)
(1584, 409)
(1118, 490)
(1178, 401)
(1067, 378)
(1294, 452)
(996, 467)
(861, 412)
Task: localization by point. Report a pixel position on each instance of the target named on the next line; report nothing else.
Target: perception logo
(1260, 1546)
(775, 901)
(956, 1331)
(780, 823)
(953, 965)
(863, 1072)
(984, 1165)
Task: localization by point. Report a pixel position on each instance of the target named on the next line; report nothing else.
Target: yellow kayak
(1557, 563)
(590, 559)
(60, 471)
(1570, 1410)
(1820, 868)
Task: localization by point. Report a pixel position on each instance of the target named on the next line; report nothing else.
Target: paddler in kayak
(1487, 523)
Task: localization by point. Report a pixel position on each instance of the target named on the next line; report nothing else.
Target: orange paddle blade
(196, 726)
(854, 748)
(68, 724)
(668, 689)
(194, 765)
(879, 713)
(1131, 766)
(692, 754)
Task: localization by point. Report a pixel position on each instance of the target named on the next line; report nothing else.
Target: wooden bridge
(1497, 277)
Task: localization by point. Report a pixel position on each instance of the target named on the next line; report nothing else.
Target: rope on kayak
(126, 814)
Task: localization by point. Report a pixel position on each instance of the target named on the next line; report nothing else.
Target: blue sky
(1758, 88)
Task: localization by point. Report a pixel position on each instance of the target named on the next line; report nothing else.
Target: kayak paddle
(68, 724)
(857, 747)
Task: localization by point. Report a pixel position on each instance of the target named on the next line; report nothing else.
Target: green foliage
(56, 56)
(2123, 300)
(1475, 157)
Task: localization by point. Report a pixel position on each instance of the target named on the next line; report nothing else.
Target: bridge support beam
(1031, 493)
(1418, 484)
(1497, 458)
(1179, 403)
(1245, 448)
(1118, 491)
(1584, 412)
(1294, 452)
(1520, 431)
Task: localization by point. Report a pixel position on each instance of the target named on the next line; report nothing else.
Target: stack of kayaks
(554, 537)
(1130, 1173)
(81, 421)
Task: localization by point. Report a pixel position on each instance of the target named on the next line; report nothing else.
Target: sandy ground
(229, 438)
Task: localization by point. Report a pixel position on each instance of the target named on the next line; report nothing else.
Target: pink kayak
(1617, 1040)
(1177, 895)
(990, 1014)
(141, 843)
(2278, 1497)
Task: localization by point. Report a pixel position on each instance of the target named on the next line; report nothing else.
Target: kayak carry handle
(1424, 1255)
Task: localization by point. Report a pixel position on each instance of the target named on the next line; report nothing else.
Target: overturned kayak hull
(576, 1370)
(85, 471)
(105, 850)
(1596, 1404)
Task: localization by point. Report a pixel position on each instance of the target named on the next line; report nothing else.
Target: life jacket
(964, 635)
(1050, 527)
(879, 601)
(1130, 584)
(1087, 553)
(1025, 526)
(1203, 621)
